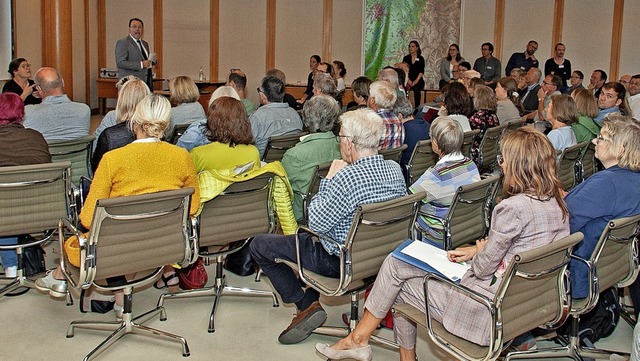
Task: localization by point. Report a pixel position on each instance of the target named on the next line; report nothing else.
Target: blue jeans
(265, 248)
(9, 258)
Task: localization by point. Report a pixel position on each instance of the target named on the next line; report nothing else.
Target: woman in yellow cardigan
(145, 166)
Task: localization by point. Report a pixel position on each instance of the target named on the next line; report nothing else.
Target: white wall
(477, 20)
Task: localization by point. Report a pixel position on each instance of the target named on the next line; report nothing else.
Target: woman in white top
(509, 106)
(339, 71)
(562, 112)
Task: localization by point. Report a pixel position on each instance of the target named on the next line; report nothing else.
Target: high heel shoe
(361, 353)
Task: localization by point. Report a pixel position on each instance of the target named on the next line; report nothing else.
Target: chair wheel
(163, 319)
(186, 354)
(70, 336)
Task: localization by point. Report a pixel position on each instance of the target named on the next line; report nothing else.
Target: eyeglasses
(136, 27)
(342, 136)
(500, 159)
(600, 138)
(259, 90)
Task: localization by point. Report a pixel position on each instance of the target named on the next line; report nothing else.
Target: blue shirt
(368, 180)
(194, 136)
(606, 195)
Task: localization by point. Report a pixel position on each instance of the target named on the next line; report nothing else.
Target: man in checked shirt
(360, 177)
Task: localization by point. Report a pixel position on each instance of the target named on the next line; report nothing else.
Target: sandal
(171, 281)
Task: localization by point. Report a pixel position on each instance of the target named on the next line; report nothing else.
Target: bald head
(49, 81)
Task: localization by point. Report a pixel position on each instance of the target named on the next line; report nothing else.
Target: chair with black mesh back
(488, 149)
(570, 165)
(468, 217)
(393, 154)
(531, 294)
(613, 263)
(319, 173)
(422, 158)
(134, 236)
(376, 230)
(467, 141)
(239, 213)
(178, 130)
(278, 145)
(33, 200)
(78, 152)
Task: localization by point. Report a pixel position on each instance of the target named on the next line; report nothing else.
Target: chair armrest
(86, 271)
(594, 288)
(192, 247)
(301, 272)
(477, 297)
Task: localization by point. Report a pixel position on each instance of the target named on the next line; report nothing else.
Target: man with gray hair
(530, 94)
(319, 115)
(382, 98)
(274, 117)
(323, 83)
(57, 117)
(360, 177)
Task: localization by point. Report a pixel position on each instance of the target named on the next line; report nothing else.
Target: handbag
(240, 262)
(32, 257)
(193, 276)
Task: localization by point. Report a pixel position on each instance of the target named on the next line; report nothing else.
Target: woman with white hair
(145, 166)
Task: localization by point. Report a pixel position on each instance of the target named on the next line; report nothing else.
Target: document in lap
(430, 259)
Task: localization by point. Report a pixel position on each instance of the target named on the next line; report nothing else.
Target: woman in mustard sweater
(145, 166)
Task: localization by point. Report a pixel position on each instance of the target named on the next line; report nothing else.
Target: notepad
(430, 259)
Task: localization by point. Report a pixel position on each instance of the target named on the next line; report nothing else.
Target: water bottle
(201, 75)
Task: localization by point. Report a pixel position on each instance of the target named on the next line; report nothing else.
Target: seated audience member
(608, 194)
(470, 79)
(274, 117)
(464, 66)
(325, 68)
(597, 80)
(196, 134)
(57, 117)
(119, 134)
(509, 108)
(288, 98)
(33, 149)
(634, 96)
(532, 214)
(484, 101)
(111, 118)
(449, 64)
(612, 100)
(415, 129)
(624, 80)
(360, 89)
(456, 104)
(324, 84)
(562, 112)
(229, 131)
(441, 181)
(360, 177)
(390, 75)
(145, 166)
(529, 96)
(575, 82)
(238, 81)
(184, 95)
(382, 97)
(21, 83)
(403, 80)
(550, 87)
(520, 77)
(319, 115)
(525, 60)
(586, 128)
(339, 71)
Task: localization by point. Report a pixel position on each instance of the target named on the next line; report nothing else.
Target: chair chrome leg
(12, 286)
(113, 337)
(251, 292)
(141, 330)
(93, 325)
(216, 299)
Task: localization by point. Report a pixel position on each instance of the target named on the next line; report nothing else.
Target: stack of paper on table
(430, 259)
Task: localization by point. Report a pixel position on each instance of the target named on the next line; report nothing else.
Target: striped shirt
(440, 183)
(368, 180)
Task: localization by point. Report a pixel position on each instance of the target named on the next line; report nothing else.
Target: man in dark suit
(529, 96)
(133, 56)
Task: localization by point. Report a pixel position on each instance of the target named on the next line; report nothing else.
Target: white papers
(437, 259)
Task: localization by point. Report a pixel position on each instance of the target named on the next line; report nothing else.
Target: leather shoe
(303, 324)
(361, 353)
